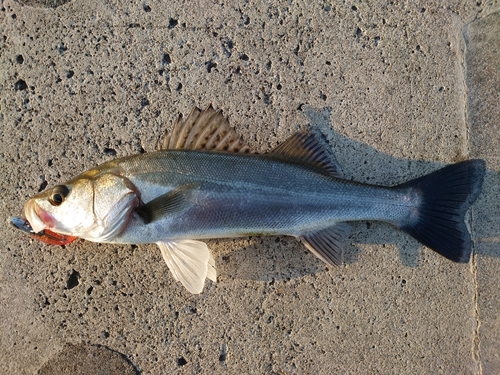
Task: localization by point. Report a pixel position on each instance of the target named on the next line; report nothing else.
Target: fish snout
(38, 218)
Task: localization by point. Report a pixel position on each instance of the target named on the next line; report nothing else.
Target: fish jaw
(38, 218)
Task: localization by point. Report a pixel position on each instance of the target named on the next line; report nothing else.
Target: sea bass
(204, 183)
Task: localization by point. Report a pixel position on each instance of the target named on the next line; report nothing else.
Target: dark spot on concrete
(89, 290)
(172, 23)
(227, 47)
(210, 65)
(61, 48)
(278, 86)
(267, 99)
(73, 280)
(144, 102)
(354, 8)
(181, 361)
(42, 187)
(14, 16)
(109, 151)
(166, 58)
(223, 353)
(247, 20)
(328, 63)
(146, 8)
(19, 59)
(244, 57)
(179, 87)
(358, 32)
(20, 85)
(70, 74)
(49, 163)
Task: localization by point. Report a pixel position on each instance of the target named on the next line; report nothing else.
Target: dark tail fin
(445, 196)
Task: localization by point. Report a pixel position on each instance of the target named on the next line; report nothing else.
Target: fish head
(93, 207)
(64, 209)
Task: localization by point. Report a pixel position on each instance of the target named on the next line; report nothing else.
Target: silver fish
(204, 183)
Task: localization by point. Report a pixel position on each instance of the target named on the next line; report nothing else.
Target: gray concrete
(483, 109)
(397, 89)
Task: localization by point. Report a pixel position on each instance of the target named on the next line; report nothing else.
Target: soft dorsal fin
(309, 148)
(203, 130)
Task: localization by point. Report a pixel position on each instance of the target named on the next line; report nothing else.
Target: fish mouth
(38, 218)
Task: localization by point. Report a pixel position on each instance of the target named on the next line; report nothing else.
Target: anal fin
(190, 262)
(327, 244)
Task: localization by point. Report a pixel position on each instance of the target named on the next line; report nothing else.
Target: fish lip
(38, 218)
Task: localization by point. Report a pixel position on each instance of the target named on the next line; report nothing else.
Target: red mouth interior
(51, 238)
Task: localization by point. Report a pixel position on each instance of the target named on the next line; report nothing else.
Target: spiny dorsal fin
(308, 148)
(203, 130)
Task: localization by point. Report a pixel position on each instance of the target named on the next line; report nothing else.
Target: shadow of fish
(203, 182)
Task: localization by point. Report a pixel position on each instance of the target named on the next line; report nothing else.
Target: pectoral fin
(172, 202)
(327, 244)
(190, 262)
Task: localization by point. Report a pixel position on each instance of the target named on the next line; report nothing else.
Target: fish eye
(59, 193)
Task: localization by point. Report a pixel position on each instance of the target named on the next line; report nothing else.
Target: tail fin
(445, 196)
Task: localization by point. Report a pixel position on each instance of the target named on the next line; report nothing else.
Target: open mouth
(38, 218)
(37, 223)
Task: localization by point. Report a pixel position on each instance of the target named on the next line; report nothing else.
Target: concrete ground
(398, 88)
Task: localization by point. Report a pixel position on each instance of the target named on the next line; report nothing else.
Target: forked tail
(444, 198)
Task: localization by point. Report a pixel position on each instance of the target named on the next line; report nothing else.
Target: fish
(204, 181)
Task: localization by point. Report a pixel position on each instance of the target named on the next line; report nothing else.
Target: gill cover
(115, 199)
(96, 207)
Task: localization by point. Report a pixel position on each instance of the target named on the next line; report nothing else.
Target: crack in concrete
(476, 340)
(476, 343)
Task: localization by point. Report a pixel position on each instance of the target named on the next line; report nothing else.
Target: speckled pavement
(398, 88)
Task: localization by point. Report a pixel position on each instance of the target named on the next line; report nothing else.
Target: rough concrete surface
(398, 88)
(483, 82)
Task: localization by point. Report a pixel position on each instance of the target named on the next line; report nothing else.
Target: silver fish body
(202, 184)
(233, 195)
